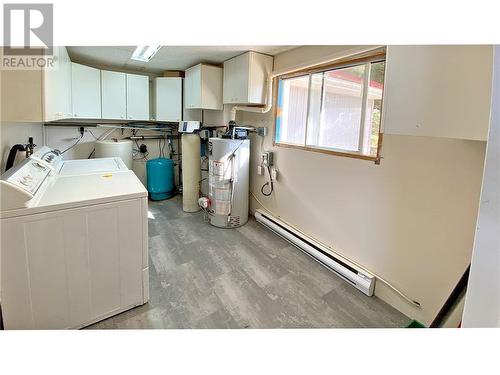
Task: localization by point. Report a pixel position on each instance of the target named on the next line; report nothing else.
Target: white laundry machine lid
(89, 166)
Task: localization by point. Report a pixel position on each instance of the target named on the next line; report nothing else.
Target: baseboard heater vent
(361, 280)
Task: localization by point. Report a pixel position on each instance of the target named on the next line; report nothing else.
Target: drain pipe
(272, 75)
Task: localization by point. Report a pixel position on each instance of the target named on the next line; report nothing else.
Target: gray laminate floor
(205, 277)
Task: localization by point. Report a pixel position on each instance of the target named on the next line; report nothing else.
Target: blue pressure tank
(160, 178)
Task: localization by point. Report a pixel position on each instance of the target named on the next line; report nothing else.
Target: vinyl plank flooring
(372, 312)
(220, 319)
(256, 263)
(206, 277)
(247, 303)
(303, 307)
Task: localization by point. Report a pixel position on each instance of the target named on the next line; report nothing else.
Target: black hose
(270, 184)
(12, 155)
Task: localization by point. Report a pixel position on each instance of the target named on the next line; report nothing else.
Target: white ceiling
(167, 58)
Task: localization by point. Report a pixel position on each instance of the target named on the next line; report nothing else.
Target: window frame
(377, 56)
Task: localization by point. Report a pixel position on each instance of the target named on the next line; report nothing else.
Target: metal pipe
(144, 137)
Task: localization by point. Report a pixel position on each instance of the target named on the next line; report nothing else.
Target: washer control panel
(20, 184)
(29, 176)
(49, 157)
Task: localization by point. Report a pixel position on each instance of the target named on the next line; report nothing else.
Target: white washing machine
(74, 248)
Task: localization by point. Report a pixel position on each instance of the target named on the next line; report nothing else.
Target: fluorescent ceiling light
(144, 53)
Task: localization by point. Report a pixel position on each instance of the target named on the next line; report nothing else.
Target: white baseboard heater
(359, 279)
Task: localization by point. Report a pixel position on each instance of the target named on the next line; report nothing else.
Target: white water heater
(229, 174)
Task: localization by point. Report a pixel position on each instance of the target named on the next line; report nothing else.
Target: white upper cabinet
(114, 95)
(137, 97)
(245, 78)
(203, 87)
(86, 91)
(168, 99)
(57, 88)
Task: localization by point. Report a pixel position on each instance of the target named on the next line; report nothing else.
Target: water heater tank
(115, 148)
(229, 171)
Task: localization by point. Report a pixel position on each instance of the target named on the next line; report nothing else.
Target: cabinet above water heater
(203, 87)
(245, 78)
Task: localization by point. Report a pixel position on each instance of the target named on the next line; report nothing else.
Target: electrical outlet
(262, 131)
(259, 169)
(267, 158)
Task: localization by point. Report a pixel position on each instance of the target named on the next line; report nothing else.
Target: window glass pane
(340, 121)
(314, 113)
(374, 108)
(292, 110)
(332, 109)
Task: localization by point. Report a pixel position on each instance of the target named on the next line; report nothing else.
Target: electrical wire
(390, 285)
(268, 183)
(90, 131)
(231, 158)
(163, 148)
(73, 145)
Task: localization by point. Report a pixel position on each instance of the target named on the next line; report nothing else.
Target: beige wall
(21, 95)
(439, 91)
(411, 219)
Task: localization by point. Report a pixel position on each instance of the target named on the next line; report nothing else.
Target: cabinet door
(113, 93)
(211, 87)
(137, 97)
(193, 87)
(86, 91)
(259, 68)
(168, 102)
(57, 88)
(228, 81)
(236, 75)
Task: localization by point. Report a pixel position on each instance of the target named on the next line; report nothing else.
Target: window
(335, 109)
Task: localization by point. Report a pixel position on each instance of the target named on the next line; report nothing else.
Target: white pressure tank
(229, 171)
(111, 148)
